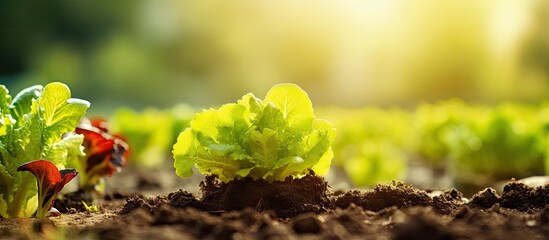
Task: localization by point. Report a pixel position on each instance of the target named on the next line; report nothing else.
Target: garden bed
(391, 211)
(262, 159)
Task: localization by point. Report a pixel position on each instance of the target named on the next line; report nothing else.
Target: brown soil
(305, 209)
(286, 199)
(74, 202)
(283, 199)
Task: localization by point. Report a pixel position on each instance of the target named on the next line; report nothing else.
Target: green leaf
(6, 123)
(5, 100)
(271, 117)
(323, 165)
(264, 147)
(22, 102)
(61, 113)
(206, 123)
(68, 150)
(244, 172)
(288, 166)
(221, 149)
(291, 160)
(30, 137)
(7, 182)
(318, 141)
(294, 104)
(224, 168)
(183, 152)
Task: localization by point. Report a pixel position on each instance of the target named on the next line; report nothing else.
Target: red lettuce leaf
(105, 153)
(50, 182)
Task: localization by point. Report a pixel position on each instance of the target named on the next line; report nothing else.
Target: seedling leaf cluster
(269, 139)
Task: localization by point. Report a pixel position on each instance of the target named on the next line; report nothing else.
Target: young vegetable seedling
(50, 182)
(267, 139)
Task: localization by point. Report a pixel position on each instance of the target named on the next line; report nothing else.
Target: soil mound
(400, 195)
(286, 199)
(516, 195)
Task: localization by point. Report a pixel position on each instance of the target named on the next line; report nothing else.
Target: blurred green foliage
(506, 141)
(152, 132)
(370, 143)
(432, 124)
(468, 141)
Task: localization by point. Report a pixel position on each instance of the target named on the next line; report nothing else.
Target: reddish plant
(105, 153)
(50, 182)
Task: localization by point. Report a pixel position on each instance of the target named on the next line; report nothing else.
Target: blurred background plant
(148, 56)
(151, 132)
(473, 145)
(371, 142)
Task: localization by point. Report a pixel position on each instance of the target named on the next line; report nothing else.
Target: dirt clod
(382, 196)
(183, 199)
(485, 198)
(150, 205)
(517, 195)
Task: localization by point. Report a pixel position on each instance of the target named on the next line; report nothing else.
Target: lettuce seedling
(32, 125)
(50, 182)
(267, 139)
(105, 153)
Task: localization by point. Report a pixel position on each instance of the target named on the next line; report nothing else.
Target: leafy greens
(270, 139)
(32, 125)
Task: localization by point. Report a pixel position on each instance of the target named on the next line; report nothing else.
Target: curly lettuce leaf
(67, 150)
(270, 139)
(61, 112)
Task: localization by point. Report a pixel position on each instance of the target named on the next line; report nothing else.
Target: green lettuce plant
(32, 126)
(267, 139)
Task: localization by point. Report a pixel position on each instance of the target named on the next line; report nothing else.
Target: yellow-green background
(348, 53)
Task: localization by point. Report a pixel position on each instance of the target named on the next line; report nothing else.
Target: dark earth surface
(305, 208)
